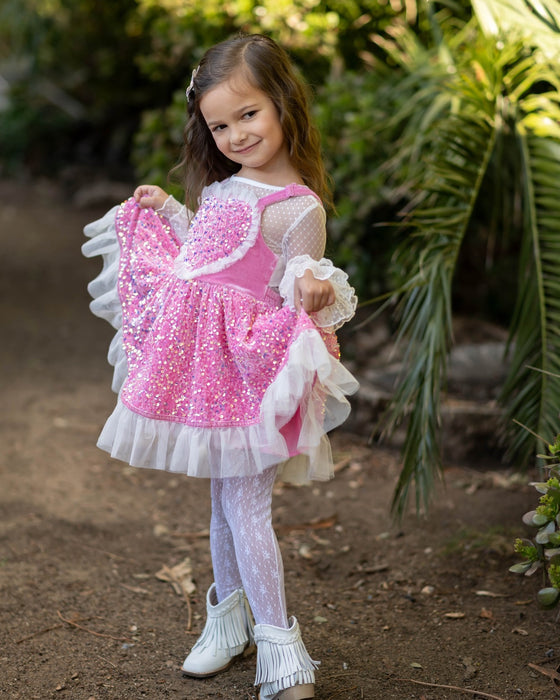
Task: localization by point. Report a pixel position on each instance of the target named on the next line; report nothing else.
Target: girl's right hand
(311, 294)
(150, 196)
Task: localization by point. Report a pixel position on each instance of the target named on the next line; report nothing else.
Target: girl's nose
(238, 136)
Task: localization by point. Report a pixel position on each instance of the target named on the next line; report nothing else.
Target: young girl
(226, 362)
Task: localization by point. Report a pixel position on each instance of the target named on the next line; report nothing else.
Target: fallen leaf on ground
(179, 576)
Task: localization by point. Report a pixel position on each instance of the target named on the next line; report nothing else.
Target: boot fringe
(270, 691)
(228, 628)
(282, 659)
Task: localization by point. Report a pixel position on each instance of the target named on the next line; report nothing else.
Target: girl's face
(246, 128)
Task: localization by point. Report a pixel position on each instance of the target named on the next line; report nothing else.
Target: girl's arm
(306, 237)
(311, 282)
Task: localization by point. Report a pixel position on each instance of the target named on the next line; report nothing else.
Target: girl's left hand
(311, 294)
(150, 196)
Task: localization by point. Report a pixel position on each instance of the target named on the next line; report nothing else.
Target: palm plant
(484, 125)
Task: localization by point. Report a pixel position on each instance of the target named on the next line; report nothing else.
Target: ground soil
(426, 609)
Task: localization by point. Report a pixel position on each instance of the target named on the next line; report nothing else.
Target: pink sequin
(202, 351)
(217, 229)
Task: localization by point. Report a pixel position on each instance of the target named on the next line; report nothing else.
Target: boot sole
(296, 692)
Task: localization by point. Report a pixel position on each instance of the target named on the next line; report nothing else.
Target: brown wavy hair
(268, 68)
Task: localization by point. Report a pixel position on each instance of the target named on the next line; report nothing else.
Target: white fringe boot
(285, 670)
(227, 634)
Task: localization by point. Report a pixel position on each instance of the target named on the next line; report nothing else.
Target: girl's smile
(246, 128)
(246, 150)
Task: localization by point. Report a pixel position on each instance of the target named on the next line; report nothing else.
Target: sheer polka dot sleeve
(303, 247)
(178, 215)
(307, 234)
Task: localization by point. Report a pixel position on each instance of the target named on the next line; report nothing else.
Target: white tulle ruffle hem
(312, 380)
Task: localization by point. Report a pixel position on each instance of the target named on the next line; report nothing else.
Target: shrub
(543, 552)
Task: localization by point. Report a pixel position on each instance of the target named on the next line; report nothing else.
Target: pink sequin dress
(217, 375)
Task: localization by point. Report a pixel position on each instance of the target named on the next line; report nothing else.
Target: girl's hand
(150, 196)
(311, 294)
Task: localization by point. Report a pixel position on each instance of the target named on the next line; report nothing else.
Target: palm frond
(532, 21)
(482, 113)
(453, 172)
(531, 394)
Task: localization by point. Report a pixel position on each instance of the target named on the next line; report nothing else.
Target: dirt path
(83, 614)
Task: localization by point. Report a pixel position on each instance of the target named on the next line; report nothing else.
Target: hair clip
(190, 90)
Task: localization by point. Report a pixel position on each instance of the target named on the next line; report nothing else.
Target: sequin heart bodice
(219, 228)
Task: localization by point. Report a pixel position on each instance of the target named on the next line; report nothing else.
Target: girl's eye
(249, 115)
(219, 127)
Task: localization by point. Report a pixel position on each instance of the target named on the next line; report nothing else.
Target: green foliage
(489, 107)
(158, 143)
(66, 78)
(369, 120)
(351, 117)
(543, 553)
(81, 73)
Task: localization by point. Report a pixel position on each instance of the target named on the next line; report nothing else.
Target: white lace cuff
(334, 315)
(178, 215)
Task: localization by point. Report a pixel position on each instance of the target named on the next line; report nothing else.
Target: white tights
(245, 552)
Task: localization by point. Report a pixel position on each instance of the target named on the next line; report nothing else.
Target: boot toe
(205, 664)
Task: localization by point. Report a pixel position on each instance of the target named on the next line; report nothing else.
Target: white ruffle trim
(106, 302)
(334, 315)
(311, 379)
(103, 288)
(222, 190)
